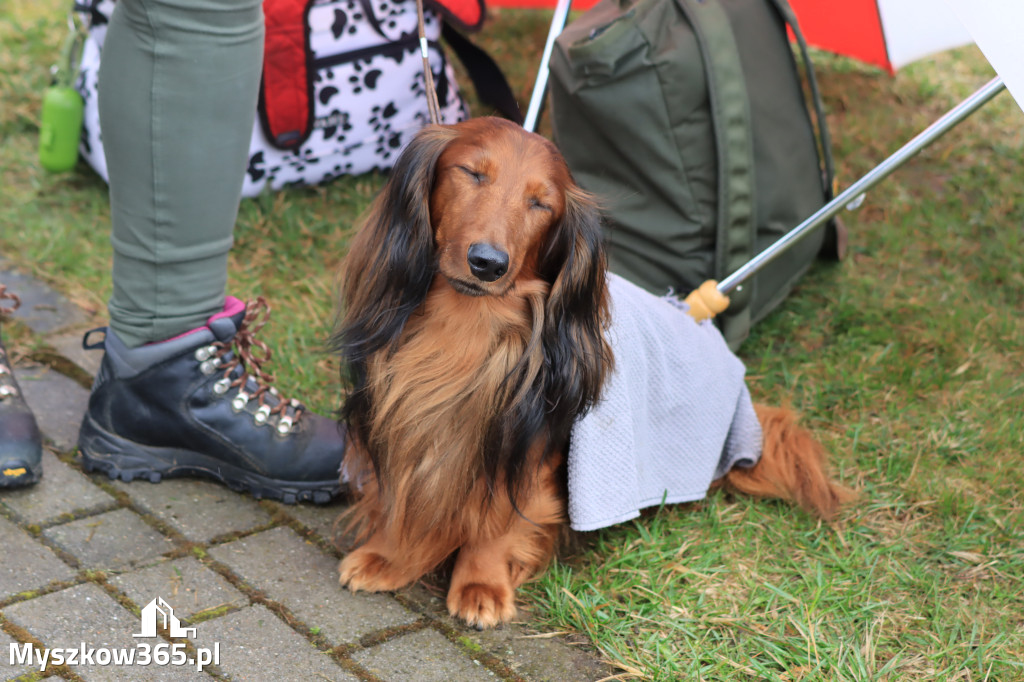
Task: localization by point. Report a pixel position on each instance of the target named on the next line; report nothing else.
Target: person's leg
(180, 389)
(177, 100)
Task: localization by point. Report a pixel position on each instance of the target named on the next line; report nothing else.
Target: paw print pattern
(388, 140)
(255, 170)
(98, 13)
(307, 159)
(325, 95)
(337, 26)
(340, 21)
(368, 96)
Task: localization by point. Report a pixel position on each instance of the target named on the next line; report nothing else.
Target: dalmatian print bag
(363, 86)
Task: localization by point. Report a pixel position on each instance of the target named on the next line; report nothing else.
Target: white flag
(997, 27)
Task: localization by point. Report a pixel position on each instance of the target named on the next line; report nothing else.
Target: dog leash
(428, 75)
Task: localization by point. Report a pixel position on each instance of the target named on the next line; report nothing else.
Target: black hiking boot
(21, 446)
(200, 404)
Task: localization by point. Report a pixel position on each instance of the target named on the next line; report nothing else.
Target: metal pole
(540, 87)
(872, 178)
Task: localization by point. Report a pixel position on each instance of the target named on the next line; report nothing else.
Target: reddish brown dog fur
(475, 305)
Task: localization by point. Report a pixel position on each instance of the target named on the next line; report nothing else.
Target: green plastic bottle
(60, 128)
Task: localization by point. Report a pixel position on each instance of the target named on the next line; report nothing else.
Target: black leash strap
(491, 85)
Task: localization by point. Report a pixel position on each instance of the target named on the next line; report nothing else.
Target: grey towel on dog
(674, 416)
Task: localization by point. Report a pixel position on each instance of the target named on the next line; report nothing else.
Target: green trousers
(177, 100)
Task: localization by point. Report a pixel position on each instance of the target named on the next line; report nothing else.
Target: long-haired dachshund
(474, 309)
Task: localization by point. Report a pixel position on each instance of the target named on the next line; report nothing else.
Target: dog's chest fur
(434, 397)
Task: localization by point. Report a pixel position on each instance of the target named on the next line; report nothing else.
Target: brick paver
(69, 346)
(424, 656)
(27, 564)
(42, 309)
(199, 510)
(306, 580)
(539, 659)
(58, 403)
(188, 586)
(114, 540)
(321, 519)
(63, 490)
(256, 645)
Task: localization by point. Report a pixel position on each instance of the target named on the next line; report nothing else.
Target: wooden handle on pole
(706, 301)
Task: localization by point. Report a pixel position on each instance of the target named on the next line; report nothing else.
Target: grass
(907, 359)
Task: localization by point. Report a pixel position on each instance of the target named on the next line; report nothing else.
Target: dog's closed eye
(538, 204)
(478, 177)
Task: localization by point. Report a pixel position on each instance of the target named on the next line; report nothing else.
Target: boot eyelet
(284, 425)
(262, 414)
(222, 386)
(240, 401)
(203, 353)
(209, 366)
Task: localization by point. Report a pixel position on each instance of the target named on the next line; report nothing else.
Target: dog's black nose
(486, 262)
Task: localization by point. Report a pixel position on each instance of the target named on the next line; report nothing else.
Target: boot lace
(249, 353)
(8, 296)
(7, 387)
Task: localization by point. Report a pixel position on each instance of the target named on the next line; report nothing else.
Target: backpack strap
(824, 138)
(833, 246)
(730, 111)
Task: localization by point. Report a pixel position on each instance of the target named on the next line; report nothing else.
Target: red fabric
(285, 104)
(851, 27)
(848, 27)
(467, 14)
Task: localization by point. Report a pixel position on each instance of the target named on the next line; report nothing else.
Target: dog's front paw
(364, 569)
(482, 605)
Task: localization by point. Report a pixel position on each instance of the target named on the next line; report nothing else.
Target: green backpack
(688, 119)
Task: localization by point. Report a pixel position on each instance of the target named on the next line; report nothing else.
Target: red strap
(286, 97)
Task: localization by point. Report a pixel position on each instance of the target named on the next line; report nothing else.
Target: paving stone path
(254, 582)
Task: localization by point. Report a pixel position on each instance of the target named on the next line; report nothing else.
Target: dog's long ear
(388, 270)
(578, 357)
(390, 263)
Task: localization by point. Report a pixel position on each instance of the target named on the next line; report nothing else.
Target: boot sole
(17, 474)
(126, 460)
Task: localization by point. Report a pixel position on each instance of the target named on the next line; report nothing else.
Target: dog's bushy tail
(793, 467)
